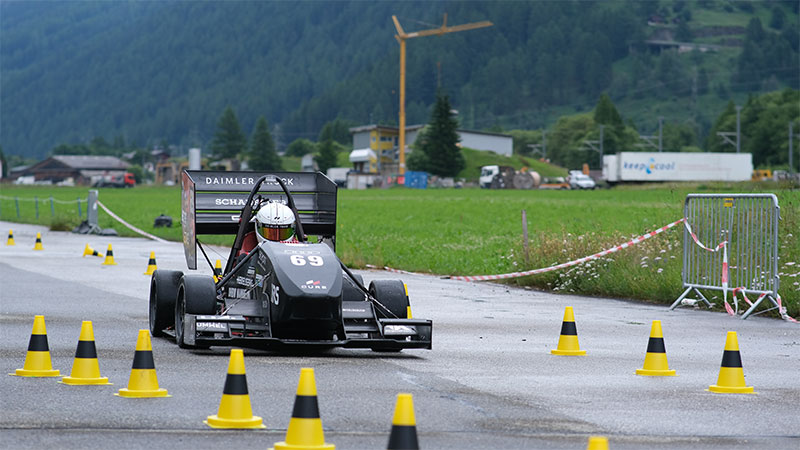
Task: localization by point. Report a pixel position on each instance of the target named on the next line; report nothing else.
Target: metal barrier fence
(743, 230)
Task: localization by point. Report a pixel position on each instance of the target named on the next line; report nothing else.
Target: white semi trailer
(648, 166)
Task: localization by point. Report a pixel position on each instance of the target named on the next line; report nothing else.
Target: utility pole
(660, 129)
(738, 130)
(592, 145)
(401, 37)
(792, 135)
(725, 135)
(540, 149)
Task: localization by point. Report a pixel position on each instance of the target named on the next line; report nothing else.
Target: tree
(229, 140)
(439, 141)
(300, 147)
(327, 150)
(262, 148)
(4, 163)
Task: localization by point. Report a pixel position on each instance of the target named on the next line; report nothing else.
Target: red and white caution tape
(131, 227)
(567, 264)
(781, 308)
(724, 246)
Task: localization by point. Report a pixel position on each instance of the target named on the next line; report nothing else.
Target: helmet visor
(277, 233)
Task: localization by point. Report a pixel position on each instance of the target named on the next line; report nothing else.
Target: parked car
(581, 181)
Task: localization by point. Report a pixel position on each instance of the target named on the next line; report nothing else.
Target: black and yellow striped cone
(597, 443)
(151, 264)
(655, 360)
(234, 409)
(404, 425)
(109, 261)
(10, 240)
(38, 244)
(305, 426)
(37, 361)
(568, 340)
(89, 251)
(143, 381)
(86, 368)
(731, 374)
(217, 271)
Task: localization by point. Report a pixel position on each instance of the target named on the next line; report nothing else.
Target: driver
(275, 222)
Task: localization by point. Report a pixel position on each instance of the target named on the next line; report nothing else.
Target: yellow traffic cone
(38, 244)
(10, 240)
(86, 368)
(305, 426)
(143, 381)
(89, 251)
(404, 425)
(109, 261)
(234, 409)
(597, 443)
(217, 271)
(151, 264)
(37, 361)
(655, 360)
(568, 341)
(731, 374)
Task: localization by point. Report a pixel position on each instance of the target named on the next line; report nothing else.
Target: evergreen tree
(229, 140)
(327, 150)
(4, 163)
(262, 148)
(440, 141)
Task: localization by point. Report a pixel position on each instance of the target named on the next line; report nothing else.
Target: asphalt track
(489, 383)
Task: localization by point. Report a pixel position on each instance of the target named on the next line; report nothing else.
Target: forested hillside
(152, 72)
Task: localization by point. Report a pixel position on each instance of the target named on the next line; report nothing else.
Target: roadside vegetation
(479, 232)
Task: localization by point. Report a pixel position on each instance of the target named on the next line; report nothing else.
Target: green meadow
(476, 232)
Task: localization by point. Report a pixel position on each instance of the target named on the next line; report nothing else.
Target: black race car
(277, 294)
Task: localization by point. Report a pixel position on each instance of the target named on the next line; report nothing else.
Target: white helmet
(274, 222)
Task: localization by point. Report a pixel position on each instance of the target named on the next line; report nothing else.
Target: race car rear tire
(351, 292)
(197, 294)
(392, 295)
(163, 291)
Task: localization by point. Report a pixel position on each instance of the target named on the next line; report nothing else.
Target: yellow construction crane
(401, 37)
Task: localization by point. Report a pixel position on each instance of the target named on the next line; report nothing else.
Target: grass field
(476, 232)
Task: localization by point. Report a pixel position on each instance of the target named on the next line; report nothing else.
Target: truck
(505, 177)
(668, 166)
(120, 180)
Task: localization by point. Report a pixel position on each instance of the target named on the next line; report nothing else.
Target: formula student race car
(277, 294)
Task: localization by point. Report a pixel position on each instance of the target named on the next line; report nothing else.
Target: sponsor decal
(211, 326)
(313, 285)
(274, 296)
(245, 181)
(244, 281)
(650, 166)
(301, 252)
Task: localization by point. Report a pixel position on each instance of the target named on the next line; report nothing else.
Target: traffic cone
(731, 374)
(89, 251)
(10, 240)
(655, 360)
(109, 261)
(234, 409)
(151, 264)
(143, 381)
(217, 271)
(568, 341)
(86, 368)
(38, 244)
(404, 425)
(597, 443)
(37, 361)
(305, 426)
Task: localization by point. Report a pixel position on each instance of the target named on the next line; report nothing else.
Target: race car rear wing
(212, 202)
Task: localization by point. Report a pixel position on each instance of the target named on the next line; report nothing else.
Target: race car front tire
(196, 295)
(392, 295)
(163, 291)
